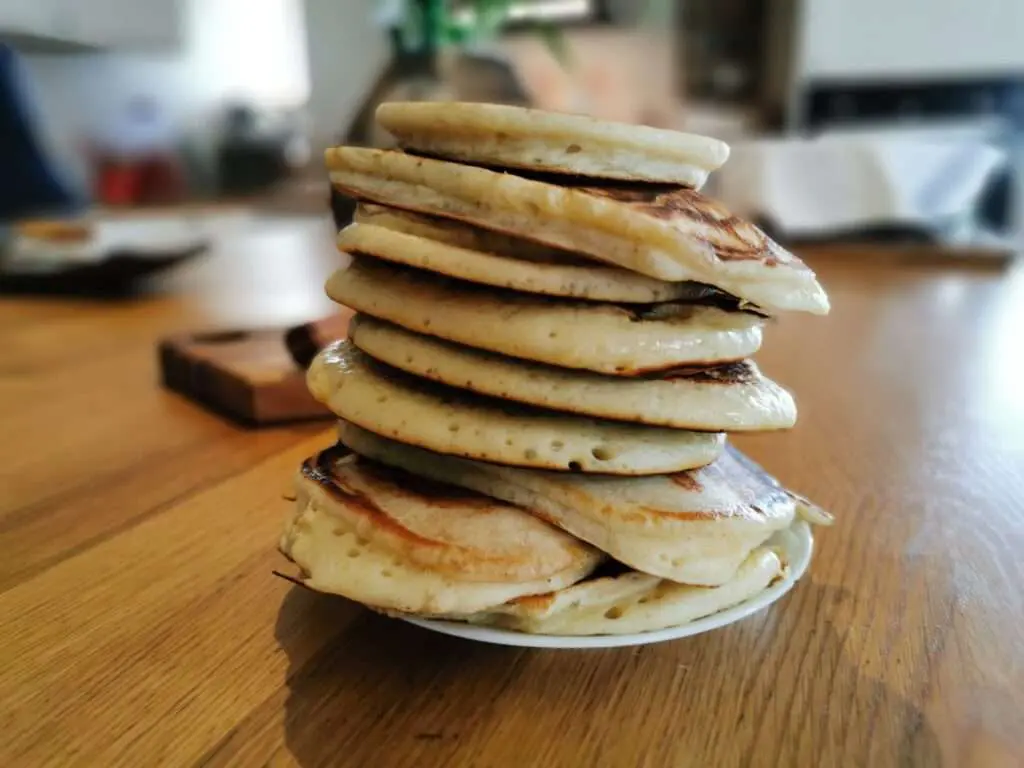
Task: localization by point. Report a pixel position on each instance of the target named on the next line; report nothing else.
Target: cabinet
(24, 17)
(121, 24)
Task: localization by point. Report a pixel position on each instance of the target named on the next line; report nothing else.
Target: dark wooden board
(248, 376)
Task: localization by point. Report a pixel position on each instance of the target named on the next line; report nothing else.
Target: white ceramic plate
(797, 541)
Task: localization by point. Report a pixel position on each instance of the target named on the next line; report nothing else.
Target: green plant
(426, 26)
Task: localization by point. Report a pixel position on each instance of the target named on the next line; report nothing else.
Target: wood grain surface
(140, 623)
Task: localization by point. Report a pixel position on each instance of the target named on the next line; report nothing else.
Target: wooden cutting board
(248, 376)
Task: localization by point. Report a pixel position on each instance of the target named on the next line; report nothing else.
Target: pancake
(579, 281)
(667, 232)
(387, 402)
(56, 231)
(462, 235)
(606, 338)
(631, 602)
(516, 137)
(396, 542)
(734, 397)
(691, 527)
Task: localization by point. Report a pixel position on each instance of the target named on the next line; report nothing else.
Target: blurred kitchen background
(882, 118)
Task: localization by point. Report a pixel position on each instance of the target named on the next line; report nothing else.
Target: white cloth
(842, 182)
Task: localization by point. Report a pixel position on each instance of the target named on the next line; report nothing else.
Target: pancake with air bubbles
(607, 338)
(400, 543)
(414, 411)
(733, 398)
(593, 282)
(669, 232)
(531, 139)
(690, 527)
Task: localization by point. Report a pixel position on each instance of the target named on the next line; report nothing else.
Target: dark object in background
(414, 75)
(247, 376)
(120, 274)
(891, 234)
(28, 183)
(250, 157)
(723, 49)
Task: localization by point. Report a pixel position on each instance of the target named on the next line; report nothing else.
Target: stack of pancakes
(553, 336)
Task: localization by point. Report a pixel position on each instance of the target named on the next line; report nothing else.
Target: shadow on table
(368, 690)
(355, 673)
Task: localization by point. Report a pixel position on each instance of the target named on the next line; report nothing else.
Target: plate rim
(800, 549)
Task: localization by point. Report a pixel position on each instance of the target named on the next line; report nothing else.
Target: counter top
(142, 624)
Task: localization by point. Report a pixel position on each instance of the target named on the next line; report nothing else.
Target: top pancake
(516, 137)
(392, 540)
(669, 233)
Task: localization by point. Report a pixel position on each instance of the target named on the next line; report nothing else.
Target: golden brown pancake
(55, 230)
(462, 235)
(617, 339)
(593, 282)
(693, 527)
(415, 411)
(735, 397)
(392, 540)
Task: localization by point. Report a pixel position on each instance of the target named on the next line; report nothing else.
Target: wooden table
(141, 624)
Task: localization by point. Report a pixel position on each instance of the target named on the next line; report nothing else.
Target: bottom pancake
(630, 602)
(396, 542)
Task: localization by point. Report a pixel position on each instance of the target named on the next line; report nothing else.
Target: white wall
(234, 49)
(911, 38)
(347, 52)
